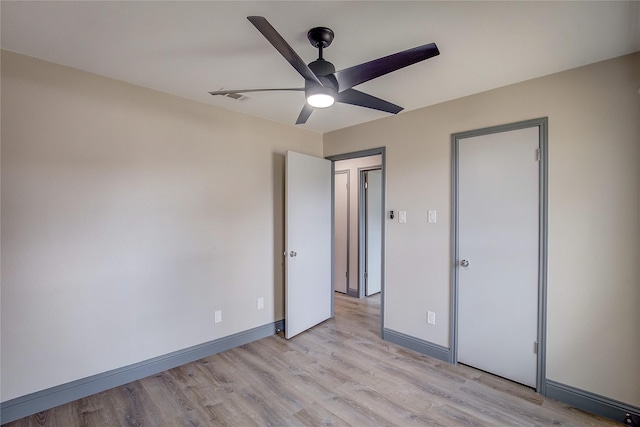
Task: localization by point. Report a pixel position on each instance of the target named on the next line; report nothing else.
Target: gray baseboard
(30, 404)
(590, 402)
(434, 350)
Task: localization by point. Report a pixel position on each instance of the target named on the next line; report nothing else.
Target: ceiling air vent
(237, 96)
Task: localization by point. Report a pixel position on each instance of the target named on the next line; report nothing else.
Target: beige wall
(594, 215)
(128, 217)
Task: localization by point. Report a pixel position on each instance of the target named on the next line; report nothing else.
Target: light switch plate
(431, 217)
(402, 216)
(431, 318)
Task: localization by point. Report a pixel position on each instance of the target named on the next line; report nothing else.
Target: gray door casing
(542, 124)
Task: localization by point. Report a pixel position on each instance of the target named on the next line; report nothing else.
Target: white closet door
(498, 221)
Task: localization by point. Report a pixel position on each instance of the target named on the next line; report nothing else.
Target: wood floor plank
(339, 373)
(316, 414)
(98, 410)
(398, 411)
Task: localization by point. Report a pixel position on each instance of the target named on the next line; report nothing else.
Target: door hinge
(538, 154)
(535, 347)
(366, 185)
(346, 274)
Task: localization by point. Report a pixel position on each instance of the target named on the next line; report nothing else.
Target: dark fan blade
(304, 114)
(283, 47)
(355, 75)
(227, 92)
(355, 97)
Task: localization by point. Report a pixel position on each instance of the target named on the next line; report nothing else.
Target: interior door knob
(464, 263)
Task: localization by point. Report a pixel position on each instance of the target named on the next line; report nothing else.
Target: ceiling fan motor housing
(329, 86)
(324, 71)
(320, 67)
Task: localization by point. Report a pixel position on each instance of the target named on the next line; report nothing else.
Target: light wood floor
(340, 373)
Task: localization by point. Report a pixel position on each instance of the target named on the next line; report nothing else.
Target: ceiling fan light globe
(320, 100)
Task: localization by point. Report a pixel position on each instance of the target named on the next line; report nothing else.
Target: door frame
(353, 155)
(362, 231)
(333, 190)
(542, 124)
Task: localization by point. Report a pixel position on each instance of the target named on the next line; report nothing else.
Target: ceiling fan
(323, 84)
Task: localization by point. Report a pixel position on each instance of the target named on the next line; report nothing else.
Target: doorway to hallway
(358, 224)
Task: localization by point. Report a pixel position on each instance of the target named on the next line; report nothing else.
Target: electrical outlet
(260, 303)
(431, 318)
(217, 316)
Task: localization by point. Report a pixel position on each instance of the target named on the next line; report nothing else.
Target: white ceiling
(190, 48)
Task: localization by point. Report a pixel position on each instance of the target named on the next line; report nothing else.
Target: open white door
(308, 292)
(341, 231)
(373, 230)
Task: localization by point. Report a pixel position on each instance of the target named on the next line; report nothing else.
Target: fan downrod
(320, 37)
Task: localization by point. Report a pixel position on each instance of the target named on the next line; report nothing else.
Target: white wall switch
(431, 318)
(260, 303)
(431, 217)
(402, 216)
(218, 316)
